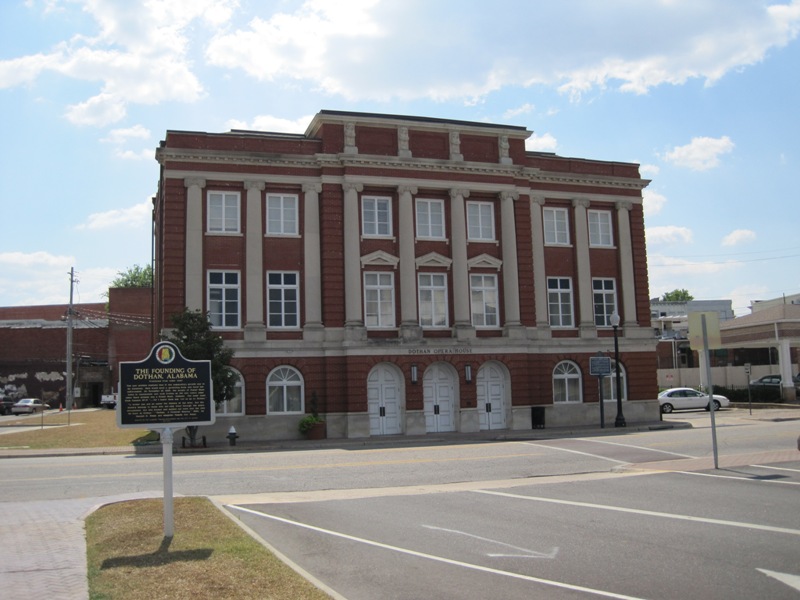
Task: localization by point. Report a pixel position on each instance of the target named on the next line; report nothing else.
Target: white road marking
(738, 478)
(792, 581)
(526, 553)
(621, 462)
(648, 513)
(441, 559)
(776, 468)
(637, 447)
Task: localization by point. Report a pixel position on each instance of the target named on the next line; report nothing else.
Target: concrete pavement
(44, 543)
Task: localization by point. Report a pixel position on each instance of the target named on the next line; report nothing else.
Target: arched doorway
(384, 400)
(438, 389)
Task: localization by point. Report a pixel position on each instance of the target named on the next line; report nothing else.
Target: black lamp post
(620, 420)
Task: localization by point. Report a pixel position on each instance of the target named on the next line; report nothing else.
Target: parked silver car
(686, 398)
(28, 406)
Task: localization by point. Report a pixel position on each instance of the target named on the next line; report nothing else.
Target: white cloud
(653, 202)
(99, 110)
(669, 234)
(144, 154)
(525, 109)
(273, 124)
(541, 143)
(134, 216)
(649, 170)
(739, 236)
(120, 136)
(701, 154)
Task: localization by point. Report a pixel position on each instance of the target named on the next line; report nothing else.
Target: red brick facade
(353, 193)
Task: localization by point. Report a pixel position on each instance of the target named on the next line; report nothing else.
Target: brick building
(405, 274)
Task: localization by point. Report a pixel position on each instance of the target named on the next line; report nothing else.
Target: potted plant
(312, 425)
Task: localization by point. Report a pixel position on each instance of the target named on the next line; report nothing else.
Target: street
(625, 514)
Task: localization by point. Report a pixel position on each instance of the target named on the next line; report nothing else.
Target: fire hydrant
(232, 435)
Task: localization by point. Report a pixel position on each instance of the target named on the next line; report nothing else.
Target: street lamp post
(620, 420)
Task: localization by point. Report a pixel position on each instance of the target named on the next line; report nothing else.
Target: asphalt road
(539, 518)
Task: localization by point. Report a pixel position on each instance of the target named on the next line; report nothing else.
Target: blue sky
(704, 94)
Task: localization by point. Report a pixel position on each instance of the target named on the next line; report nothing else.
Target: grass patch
(88, 429)
(208, 558)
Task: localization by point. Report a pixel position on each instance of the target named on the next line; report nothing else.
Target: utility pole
(69, 394)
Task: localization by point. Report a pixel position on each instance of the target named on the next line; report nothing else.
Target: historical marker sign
(600, 366)
(165, 390)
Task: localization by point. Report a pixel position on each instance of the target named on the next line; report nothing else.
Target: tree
(193, 336)
(134, 276)
(677, 296)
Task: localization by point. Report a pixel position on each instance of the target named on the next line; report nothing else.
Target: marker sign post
(600, 366)
(164, 392)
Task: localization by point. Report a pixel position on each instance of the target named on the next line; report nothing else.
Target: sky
(703, 94)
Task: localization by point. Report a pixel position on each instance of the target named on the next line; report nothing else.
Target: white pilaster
(462, 322)
(312, 327)
(254, 329)
(510, 264)
(539, 271)
(628, 283)
(354, 317)
(409, 319)
(584, 270)
(195, 278)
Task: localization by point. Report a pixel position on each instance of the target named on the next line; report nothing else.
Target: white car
(686, 398)
(28, 406)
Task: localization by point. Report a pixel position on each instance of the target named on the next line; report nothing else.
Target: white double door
(438, 389)
(490, 388)
(383, 401)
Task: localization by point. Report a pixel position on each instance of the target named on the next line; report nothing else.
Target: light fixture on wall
(468, 373)
(414, 374)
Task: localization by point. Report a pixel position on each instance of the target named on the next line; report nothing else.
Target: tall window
(559, 300)
(376, 216)
(483, 289)
(432, 300)
(284, 391)
(283, 299)
(235, 404)
(555, 226)
(480, 221)
(567, 382)
(600, 228)
(223, 298)
(610, 383)
(379, 299)
(281, 214)
(223, 212)
(604, 296)
(430, 218)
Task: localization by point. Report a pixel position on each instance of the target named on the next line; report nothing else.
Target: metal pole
(710, 391)
(166, 451)
(620, 420)
(68, 398)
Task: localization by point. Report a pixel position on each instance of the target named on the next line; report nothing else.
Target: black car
(772, 382)
(7, 403)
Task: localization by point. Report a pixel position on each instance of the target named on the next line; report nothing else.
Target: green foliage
(677, 295)
(193, 336)
(308, 422)
(135, 276)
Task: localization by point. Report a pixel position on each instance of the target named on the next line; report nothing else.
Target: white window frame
(218, 309)
(427, 212)
(223, 212)
(556, 226)
(567, 383)
(282, 215)
(610, 383)
(433, 301)
(601, 231)
(235, 405)
(379, 307)
(281, 381)
(604, 300)
(480, 221)
(284, 292)
(483, 295)
(376, 216)
(559, 297)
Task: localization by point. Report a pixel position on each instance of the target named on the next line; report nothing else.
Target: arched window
(567, 383)
(234, 405)
(610, 383)
(285, 391)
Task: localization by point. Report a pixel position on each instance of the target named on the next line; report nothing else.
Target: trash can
(537, 417)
